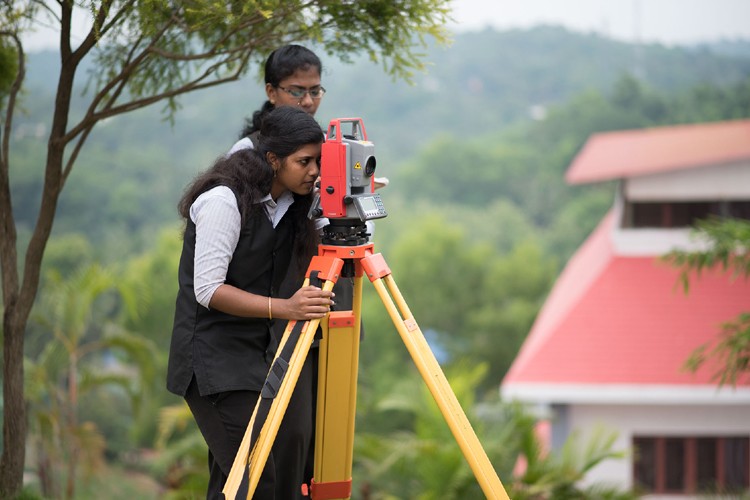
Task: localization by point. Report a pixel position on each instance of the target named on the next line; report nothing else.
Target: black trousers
(223, 418)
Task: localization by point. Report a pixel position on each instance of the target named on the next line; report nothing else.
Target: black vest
(228, 352)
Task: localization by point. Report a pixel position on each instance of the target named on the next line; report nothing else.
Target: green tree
(141, 53)
(473, 299)
(79, 355)
(729, 250)
(152, 275)
(181, 461)
(421, 458)
(711, 103)
(559, 474)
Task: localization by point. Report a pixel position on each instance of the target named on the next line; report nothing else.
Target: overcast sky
(665, 21)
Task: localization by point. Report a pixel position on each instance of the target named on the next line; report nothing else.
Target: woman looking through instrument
(246, 224)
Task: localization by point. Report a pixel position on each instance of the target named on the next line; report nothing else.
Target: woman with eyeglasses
(292, 76)
(292, 79)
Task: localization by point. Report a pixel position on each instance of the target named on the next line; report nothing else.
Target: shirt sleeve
(244, 143)
(217, 231)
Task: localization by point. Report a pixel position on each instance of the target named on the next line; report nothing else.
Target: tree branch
(117, 84)
(12, 98)
(8, 253)
(65, 27)
(100, 28)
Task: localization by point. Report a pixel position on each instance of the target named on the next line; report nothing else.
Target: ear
(271, 93)
(273, 160)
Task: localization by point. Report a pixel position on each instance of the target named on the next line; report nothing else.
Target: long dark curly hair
(249, 175)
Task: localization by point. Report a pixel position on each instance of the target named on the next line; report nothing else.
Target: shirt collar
(286, 197)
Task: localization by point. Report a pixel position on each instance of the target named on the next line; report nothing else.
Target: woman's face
(297, 172)
(308, 79)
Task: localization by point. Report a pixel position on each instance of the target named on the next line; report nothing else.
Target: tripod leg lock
(275, 377)
(375, 267)
(328, 490)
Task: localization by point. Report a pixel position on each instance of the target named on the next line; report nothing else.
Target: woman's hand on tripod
(309, 302)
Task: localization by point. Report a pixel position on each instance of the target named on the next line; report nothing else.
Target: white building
(609, 345)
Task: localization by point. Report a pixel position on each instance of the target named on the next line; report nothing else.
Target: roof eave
(629, 394)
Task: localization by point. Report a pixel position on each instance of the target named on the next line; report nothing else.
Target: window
(699, 464)
(644, 468)
(706, 465)
(681, 214)
(674, 464)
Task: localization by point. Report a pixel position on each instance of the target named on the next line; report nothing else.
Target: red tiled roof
(631, 153)
(613, 319)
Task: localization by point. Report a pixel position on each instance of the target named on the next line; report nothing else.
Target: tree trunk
(72, 423)
(14, 406)
(45, 472)
(18, 301)
(15, 318)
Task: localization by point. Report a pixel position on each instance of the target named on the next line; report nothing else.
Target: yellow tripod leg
(255, 458)
(337, 399)
(380, 275)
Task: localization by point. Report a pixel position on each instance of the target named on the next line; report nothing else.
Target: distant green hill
(489, 79)
(485, 80)
(133, 168)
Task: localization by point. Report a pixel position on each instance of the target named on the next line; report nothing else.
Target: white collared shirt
(217, 231)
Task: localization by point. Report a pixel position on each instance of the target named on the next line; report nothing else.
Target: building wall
(673, 420)
(722, 182)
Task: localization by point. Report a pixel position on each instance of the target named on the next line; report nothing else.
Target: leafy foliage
(730, 351)
(728, 242)
(422, 459)
(562, 473)
(8, 68)
(729, 249)
(79, 356)
(478, 302)
(183, 449)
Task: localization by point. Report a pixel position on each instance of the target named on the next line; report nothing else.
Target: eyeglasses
(299, 93)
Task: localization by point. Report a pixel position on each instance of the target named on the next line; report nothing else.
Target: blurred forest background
(480, 224)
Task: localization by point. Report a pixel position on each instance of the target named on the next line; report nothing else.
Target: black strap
(277, 373)
(273, 381)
